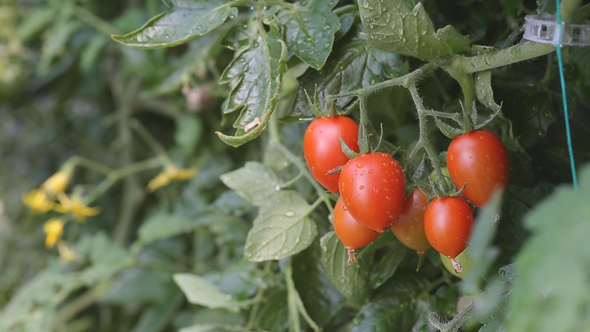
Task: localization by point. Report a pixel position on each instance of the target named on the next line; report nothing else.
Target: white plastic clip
(545, 30)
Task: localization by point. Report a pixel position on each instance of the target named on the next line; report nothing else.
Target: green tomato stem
(423, 142)
(468, 87)
(402, 80)
(118, 174)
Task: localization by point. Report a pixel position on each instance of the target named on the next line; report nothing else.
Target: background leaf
(353, 65)
(186, 19)
(199, 291)
(550, 292)
(309, 30)
(350, 280)
(392, 27)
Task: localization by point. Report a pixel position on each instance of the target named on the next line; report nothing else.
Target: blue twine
(559, 32)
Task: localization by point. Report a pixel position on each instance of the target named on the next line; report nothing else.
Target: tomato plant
(351, 233)
(478, 160)
(372, 187)
(321, 147)
(408, 227)
(447, 224)
(154, 175)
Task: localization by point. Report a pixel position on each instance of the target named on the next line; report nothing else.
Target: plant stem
(303, 169)
(88, 163)
(118, 174)
(468, 88)
(423, 139)
(402, 80)
(94, 21)
(150, 141)
(456, 323)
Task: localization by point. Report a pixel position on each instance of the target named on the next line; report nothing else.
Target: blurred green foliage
(246, 243)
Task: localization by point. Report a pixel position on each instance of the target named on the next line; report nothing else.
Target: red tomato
(408, 227)
(479, 161)
(351, 233)
(447, 224)
(321, 147)
(372, 187)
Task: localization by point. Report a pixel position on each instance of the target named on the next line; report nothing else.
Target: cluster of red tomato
(372, 189)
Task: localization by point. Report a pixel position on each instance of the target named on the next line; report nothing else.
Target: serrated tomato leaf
(354, 64)
(309, 30)
(282, 228)
(185, 20)
(392, 27)
(256, 74)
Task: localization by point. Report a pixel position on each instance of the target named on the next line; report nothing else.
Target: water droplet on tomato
(375, 190)
(360, 165)
(371, 171)
(362, 187)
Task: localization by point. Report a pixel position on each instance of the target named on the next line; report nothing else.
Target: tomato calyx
(467, 122)
(316, 109)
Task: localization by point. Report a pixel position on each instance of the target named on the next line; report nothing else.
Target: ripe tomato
(372, 187)
(478, 160)
(463, 258)
(321, 147)
(408, 227)
(351, 233)
(447, 223)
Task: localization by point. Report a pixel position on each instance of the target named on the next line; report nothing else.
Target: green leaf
(386, 267)
(254, 182)
(551, 290)
(309, 30)
(393, 27)
(107, 258)
(275, 157)
(352, 281)
(484, 91)
(189, 129)
(162, 226)
(274, 315)
(353, 65)
(255, 74)
(480, 247)
(211, 328)
(346, 22)
(394, 308)
(237, 37)
(185, 20)
(281, 229)
(319, 296)
(181, 70)
(56, 43)
(91, 51)
(200, 291)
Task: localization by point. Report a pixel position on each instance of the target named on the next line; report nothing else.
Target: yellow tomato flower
(76, 207)
(38, 201)
(57, 183)
(169, 174)
(54, 229)
(66, 253)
